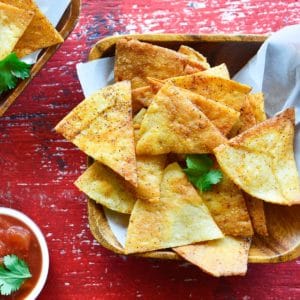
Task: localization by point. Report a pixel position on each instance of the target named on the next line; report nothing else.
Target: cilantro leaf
(200, 173)
(199, 162)
(12, 69)
(12, 274)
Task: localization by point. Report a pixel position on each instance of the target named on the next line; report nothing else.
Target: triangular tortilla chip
(39, 34)
(141, 96)
(218, 71)
(136, 61)
(258, 106)
(107, 188)
(149, 168)
(261, 160)
(223, 257)
(222, 116)
(257, 214)
(13, 23)
(179, 218)
(227, 206)
(155, 84)
(223, 90)
(101, 126)
(174, 124)
(150, 171)
(194, 55)
(248, 120)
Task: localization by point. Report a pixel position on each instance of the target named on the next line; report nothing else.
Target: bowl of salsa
(24, 256)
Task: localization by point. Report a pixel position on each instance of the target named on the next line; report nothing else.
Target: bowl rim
(42, 242)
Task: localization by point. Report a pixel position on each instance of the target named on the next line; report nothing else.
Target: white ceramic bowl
(41, 239)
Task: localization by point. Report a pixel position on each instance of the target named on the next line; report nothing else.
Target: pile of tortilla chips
(24, 28)
(163, 106)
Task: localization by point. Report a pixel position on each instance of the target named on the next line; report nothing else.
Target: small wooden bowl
(65, 27)
(283, 242)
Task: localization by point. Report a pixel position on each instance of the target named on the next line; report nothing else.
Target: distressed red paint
(38, 167)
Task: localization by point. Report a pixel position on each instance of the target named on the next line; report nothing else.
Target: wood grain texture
(38, 167)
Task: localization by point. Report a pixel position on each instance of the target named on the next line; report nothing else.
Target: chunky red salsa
(17, 238)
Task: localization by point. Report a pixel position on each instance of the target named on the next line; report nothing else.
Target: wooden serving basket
(283, 242)
(65, 27)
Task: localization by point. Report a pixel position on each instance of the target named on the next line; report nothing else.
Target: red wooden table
(38, 167)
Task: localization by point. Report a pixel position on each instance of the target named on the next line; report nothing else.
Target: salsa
(17, 238)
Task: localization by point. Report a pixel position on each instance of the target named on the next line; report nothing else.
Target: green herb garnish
(12, 274)
(200, 172)
(11, 70)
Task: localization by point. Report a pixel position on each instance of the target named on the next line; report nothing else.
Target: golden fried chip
(141, 97)
(257, 214)
(222, 116)
(149, 168)
(258, 106)
(226, 91)
(40, 32)
(150, 171)
(194, 55)
(136, 61)
(155, 84)
(101, 126)
(248, 120)
(223, 257)
(227, 206)
(261, 160)
(107, 188)
(174, 124)
(218, 71)
(179, 218)
(13, 23)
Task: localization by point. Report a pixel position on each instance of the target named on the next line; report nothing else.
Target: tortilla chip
(142, 97)
(40, 32)
(155, 84)
(136, 61)
(174, 124)
(266, 167)
(227, 206)
(149, 168)
(107, 188)
(223, 257)
(246, 121)
(257, 214)
(179, 218)
(13, 23)
(222, 116)
(101, 126)
(194, 55)
(258, 106)
(150, 171)
(226, 91)
(218, 71)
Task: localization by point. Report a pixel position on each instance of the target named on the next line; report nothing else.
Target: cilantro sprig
(11, 70)
(200, 171)
(13, 273)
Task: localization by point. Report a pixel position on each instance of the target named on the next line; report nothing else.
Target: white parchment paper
(275, 71)
(53, 10)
